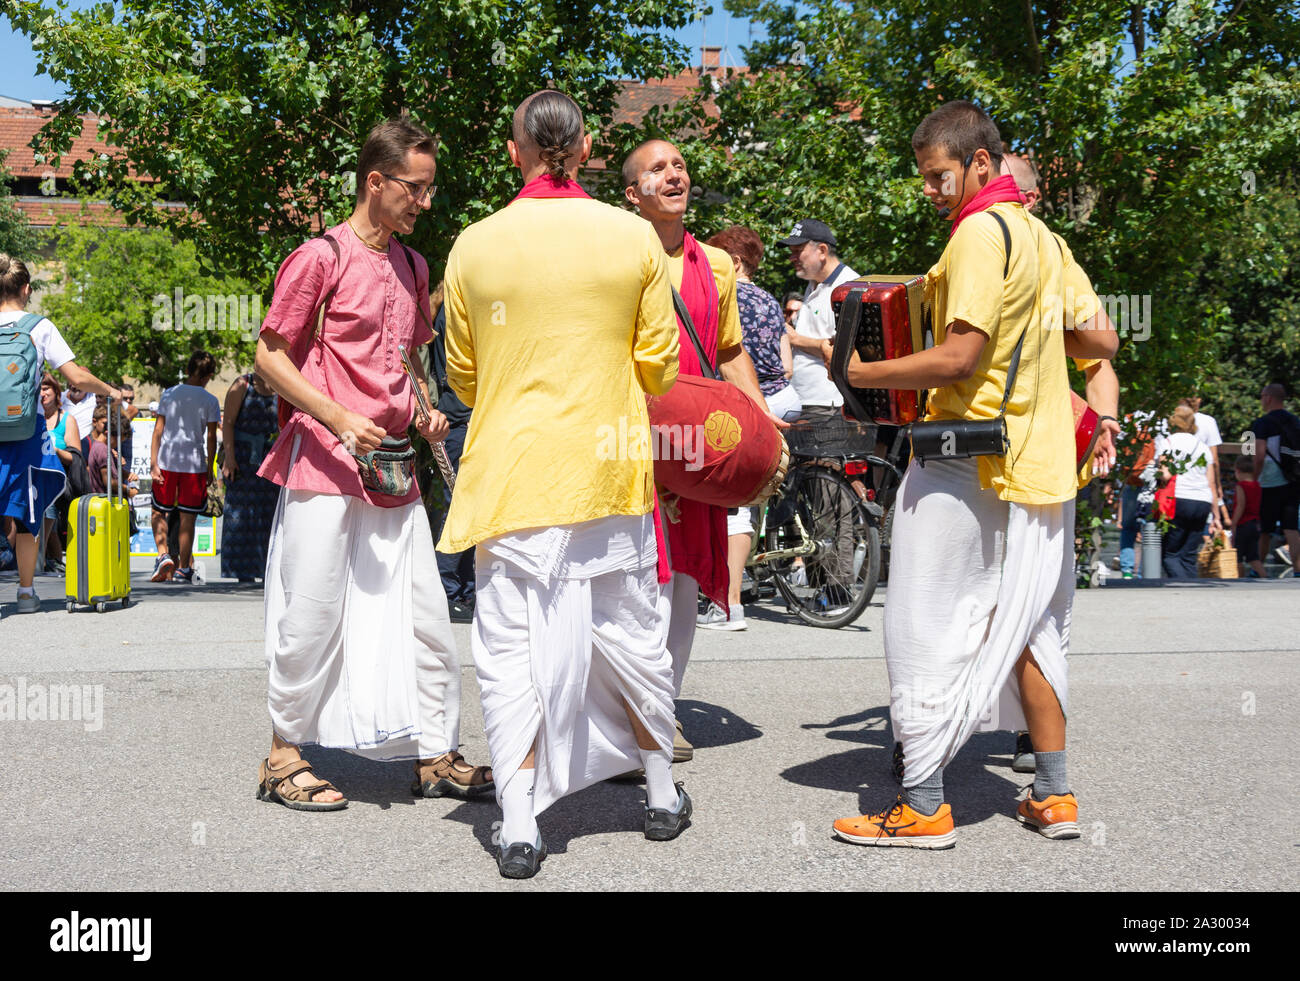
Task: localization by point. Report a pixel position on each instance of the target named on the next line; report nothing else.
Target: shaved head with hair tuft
(549, 124)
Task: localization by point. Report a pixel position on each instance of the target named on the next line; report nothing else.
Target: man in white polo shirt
(812, 252)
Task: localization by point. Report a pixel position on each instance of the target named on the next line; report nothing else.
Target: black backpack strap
(416, 279)
(329, 295)
(706, 365)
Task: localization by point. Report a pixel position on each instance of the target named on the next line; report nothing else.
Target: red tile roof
(18, 126)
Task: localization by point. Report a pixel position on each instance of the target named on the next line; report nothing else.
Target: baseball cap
(809, 230)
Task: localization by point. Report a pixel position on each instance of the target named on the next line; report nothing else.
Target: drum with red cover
(713, 444)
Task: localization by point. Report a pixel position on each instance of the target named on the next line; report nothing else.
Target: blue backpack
(20, 380)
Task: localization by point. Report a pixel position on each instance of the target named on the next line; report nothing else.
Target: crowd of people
(80, 441)
(1180, 479)
(582, 589)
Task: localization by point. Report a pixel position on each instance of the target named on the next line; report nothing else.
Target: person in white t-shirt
(31, 476)
(1181, 453)
(1207, 431)
(180, 460)
(814, 257)
(80, 404)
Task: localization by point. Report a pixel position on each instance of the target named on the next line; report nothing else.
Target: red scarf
(999, 189)
(547, 186)
(700, 292)
(699, 540)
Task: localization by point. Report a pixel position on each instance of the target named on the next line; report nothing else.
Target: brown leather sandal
(276, 785)
(450, 776)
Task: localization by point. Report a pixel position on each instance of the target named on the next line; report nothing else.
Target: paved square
(1184, 709)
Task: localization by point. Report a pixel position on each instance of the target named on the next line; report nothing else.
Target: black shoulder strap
(1015, 355)
(706, 365)
(416, 279)
(329, 295)
(1006, 242)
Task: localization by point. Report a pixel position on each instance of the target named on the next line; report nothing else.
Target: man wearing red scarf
(981, 577)
(657, 184)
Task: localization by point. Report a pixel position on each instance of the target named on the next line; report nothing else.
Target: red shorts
(180, 492)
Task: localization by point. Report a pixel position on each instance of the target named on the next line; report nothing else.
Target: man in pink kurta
(358, 641)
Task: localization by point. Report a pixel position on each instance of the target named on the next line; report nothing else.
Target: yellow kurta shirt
(967, 284)
(559, 322)
(724, 277)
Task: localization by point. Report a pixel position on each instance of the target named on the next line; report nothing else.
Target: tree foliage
(16, 236)
(1164, 133)
(252, 114)
(107, 307)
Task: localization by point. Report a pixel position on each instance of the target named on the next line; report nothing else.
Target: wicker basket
(835, 437)
(1216, 563)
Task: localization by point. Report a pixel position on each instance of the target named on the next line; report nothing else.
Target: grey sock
(1049, 774)
(927, 796)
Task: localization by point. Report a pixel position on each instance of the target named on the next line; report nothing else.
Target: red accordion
(879, 317)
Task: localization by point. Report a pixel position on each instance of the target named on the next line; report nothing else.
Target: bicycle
(818, 539)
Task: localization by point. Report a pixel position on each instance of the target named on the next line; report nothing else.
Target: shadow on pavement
(973, 792)
(774, 611)
(603, 808)
(362, 780)
(706, 726)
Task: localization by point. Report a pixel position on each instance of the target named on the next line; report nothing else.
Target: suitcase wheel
(71, 606)
(126, 601)
(101, 606)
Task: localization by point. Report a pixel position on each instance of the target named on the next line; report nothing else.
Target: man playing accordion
(982, 567)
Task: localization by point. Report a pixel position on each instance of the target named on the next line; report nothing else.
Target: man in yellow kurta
(981, 576)
(556, 352)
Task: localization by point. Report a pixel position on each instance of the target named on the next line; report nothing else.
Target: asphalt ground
(1183, 716)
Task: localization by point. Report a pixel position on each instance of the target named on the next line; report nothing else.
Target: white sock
(26, 590)
(517, 822)
(660, 791)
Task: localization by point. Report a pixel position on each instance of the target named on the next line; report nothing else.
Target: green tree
(16, 236)
(252, 114)
(1251, 284)
(1159, 129)
(116, 302)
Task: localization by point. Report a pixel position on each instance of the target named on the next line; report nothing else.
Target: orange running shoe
(1056, 817)
(900, 825)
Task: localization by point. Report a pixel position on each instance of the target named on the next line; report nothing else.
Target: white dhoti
(973, 581)
(566, 629)
(358, 641)
(679, 607)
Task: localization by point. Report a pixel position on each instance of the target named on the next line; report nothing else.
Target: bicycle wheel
(839, 574)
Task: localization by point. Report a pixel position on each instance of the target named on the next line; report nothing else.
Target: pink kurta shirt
(355, 360)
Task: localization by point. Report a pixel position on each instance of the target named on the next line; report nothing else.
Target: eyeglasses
(128, 398)
(425, 194)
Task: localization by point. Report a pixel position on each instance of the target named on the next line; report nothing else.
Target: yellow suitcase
(99, 549)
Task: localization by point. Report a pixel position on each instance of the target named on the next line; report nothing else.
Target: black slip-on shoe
(662, 824)
(461, 612)
(521, 860)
